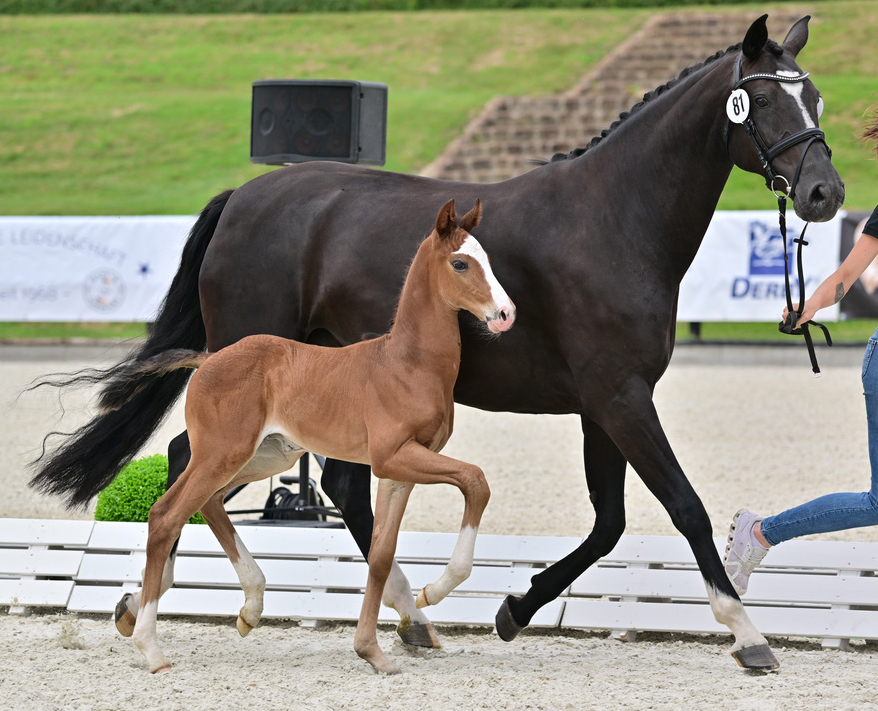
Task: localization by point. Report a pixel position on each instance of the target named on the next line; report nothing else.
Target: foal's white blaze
(472, 248)
(795, 90)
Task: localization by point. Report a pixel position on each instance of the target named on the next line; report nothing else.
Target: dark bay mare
(592, 248)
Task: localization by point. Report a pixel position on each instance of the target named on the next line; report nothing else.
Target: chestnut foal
(253, 408)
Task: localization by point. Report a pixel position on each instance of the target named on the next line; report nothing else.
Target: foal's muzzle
(502, 320)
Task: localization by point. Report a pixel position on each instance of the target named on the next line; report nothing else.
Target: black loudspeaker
(294, 121)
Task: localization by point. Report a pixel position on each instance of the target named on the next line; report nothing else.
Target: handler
(751, 535)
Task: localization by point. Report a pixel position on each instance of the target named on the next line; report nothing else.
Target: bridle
(738, 111)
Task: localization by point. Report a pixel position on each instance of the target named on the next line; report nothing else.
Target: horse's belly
(344, 443)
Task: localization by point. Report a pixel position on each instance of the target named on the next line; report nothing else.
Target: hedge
(133, 492)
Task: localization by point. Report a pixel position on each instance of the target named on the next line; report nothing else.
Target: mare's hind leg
(348, 486)
(605, 475)
(249, 574)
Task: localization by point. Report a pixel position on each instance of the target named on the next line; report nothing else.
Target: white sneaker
(743, 551)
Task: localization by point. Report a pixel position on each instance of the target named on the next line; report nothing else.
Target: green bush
(133, 492)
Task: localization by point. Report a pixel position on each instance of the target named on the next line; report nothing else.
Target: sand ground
(750, 426)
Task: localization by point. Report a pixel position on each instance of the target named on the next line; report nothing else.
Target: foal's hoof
(243, 628)
(418, 634)
(124, 618)
(507, 627)
(759, 657)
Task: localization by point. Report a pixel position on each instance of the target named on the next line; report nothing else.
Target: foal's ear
(797, 36)
(446, 220)
(471, 219)
(755, 39)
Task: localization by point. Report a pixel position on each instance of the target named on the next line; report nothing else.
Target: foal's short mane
(771, 46)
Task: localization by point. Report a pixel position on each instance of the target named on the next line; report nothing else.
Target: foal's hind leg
(166, 519)
(348, 486)
(249, 574)
(127, 608)
(125, 615)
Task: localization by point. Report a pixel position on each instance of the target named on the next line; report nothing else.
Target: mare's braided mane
(771, 46)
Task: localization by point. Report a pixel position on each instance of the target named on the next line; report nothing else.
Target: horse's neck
(670, 159)
(425, 330)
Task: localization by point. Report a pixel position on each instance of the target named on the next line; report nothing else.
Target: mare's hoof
(243, 628)
(507, 627)
(162, 669)
(418, 634)
(759, 657)
(422, 600)
(124, 618)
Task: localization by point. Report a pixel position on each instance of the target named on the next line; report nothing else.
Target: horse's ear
(471, 219)
(446, 220)
(755, 39)
(797, 36)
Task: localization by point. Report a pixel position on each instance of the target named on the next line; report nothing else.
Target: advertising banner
(738, 274)
(88, 268)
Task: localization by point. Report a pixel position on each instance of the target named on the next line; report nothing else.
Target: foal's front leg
(417, 464)
(389, 507)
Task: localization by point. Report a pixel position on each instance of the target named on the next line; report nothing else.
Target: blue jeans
(838, 512)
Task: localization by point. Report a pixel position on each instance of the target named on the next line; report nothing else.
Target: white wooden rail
(827, 590)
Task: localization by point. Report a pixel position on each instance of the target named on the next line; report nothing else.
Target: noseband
(738, 111)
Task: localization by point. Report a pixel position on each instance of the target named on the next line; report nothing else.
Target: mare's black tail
(89, 459)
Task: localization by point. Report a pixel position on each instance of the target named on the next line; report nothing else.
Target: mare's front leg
(634, 426)
(348, 486)
(389, 507)
(605, 476)
(416, 464)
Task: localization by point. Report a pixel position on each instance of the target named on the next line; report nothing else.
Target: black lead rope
(766, 154)
(790, 324)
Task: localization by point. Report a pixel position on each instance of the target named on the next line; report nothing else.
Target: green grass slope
(145, 114)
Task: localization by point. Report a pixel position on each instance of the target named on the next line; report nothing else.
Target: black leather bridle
(766, 155)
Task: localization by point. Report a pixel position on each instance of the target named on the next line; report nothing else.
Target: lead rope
(739, 113)
(790, 324)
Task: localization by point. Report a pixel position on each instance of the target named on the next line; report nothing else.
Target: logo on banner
(104, 290)
(766, 249)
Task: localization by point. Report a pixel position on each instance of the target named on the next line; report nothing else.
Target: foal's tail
(132, 377)
(89, 458)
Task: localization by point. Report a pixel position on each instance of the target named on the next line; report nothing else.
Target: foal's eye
(459, 265)
(761, 102)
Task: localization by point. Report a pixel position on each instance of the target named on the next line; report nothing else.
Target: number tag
(738, 106)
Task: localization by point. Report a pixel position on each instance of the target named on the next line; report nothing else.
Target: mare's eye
(761, 102)
(459, 265)
(819, 106)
